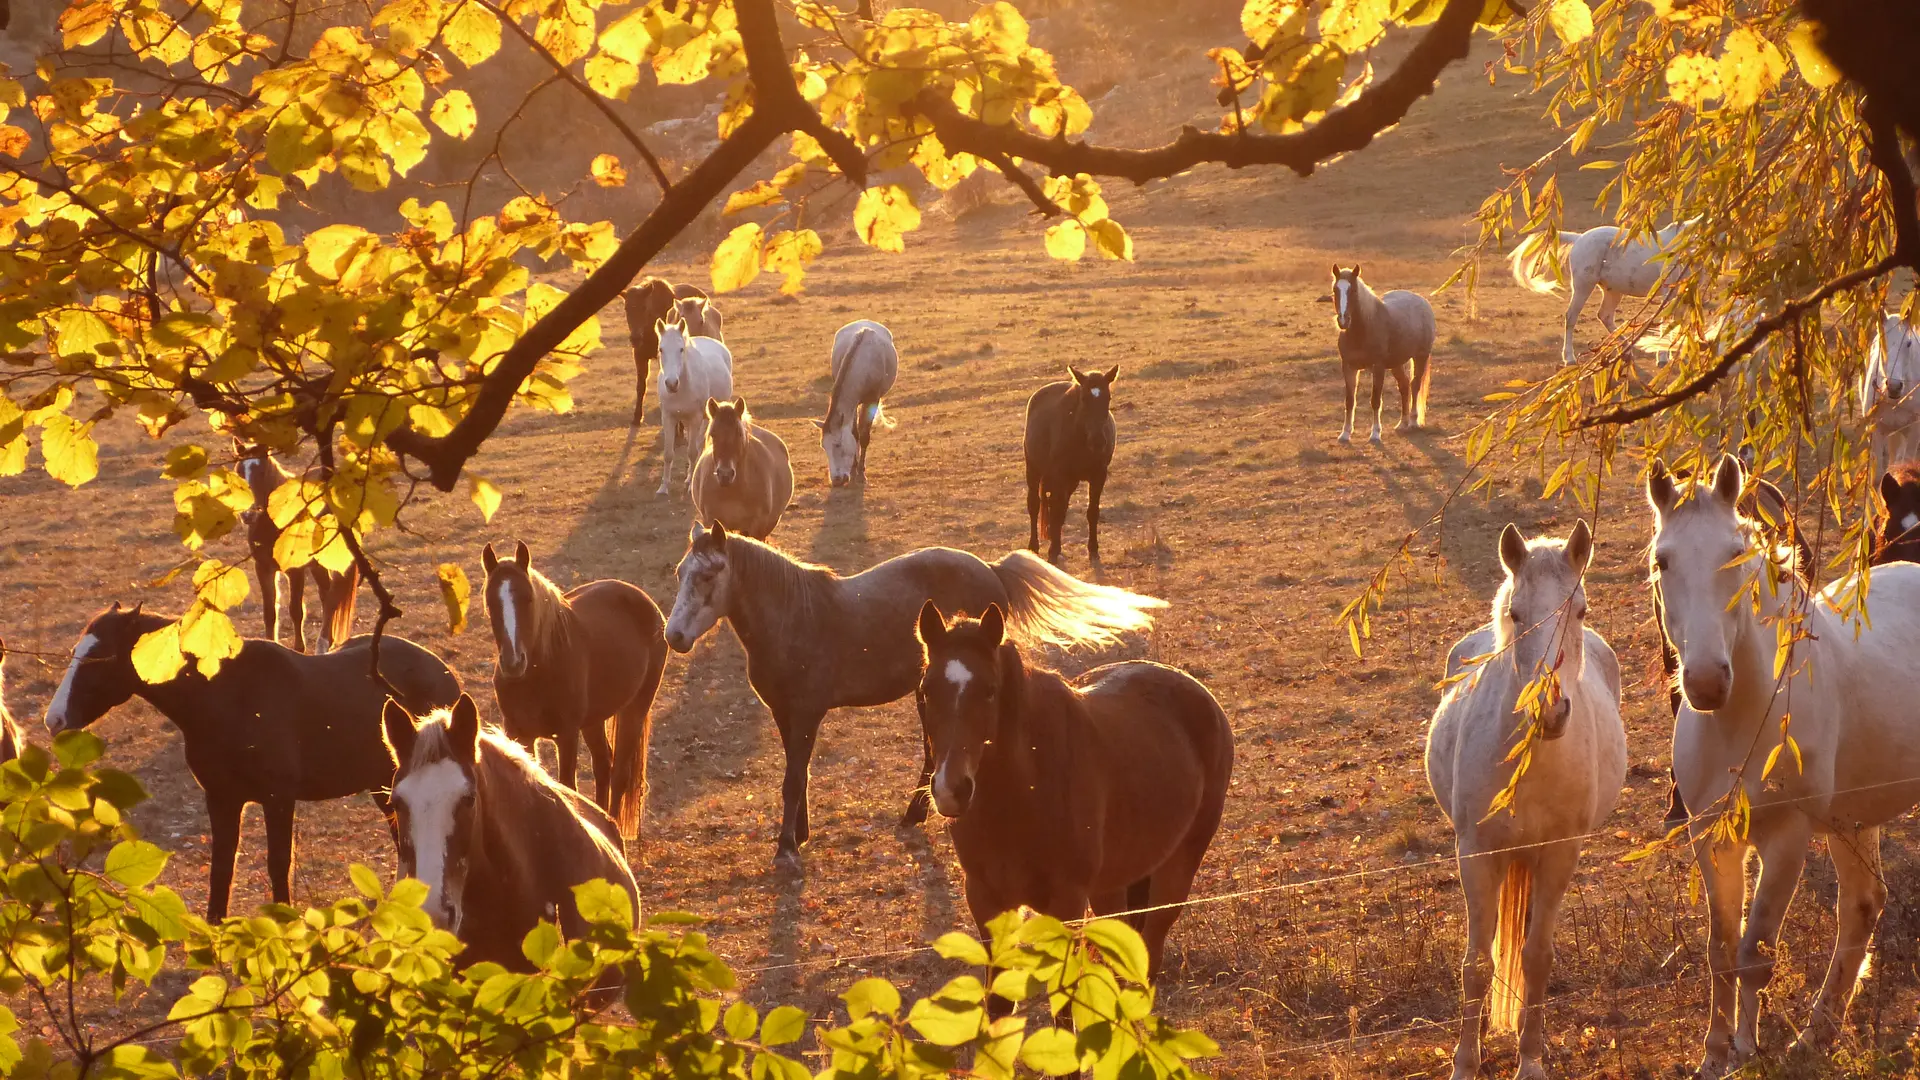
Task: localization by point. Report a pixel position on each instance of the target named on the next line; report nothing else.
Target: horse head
(1700, 552)
(961, 687)
(727, 433)
(704, 581)
(101, 675)
(510, 605)
(1540, 613)
(1346, 283)
(1900, 531)
(673, 346)
(1091, 397)
(435, 800)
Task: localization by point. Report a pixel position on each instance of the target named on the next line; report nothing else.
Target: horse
(1516, 864)
(1900, 531)
(272, 726)
(1856, 763)
(1382, 333)
(12, 742)
(692, 370)
(339, 591)
(864, 365)
(649, 302)
(1069, 440)
(569, 662)
(498, 843)
(1102, 791)
(817, 641)
(744, 477)
(1599, 258)
(1892, 376)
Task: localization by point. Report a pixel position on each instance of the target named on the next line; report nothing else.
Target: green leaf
(604, 904)
(454, 592)
(785, 1024)
(742, 1020)
(365, 882)
(541, 943)
(1052, 1051)
(736, 262)
(872, 995)
(134, 863)
(1120, 943)
(955, 945)
(947, 1022)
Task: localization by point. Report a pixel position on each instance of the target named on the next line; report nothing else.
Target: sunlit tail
(1534, 267)
(632, 731)
(1507, 996)
(1047, 605)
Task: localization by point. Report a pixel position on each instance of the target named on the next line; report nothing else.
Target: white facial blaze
(1095, 391)
(1910, 522)
(959, 675)
(509, 620)
(431, 794)
(690, 610)
(1340, 290)
(57, 712)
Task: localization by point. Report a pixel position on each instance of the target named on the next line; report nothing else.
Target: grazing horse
(649, 302)
(1100, 791)
(1900, 532)
(744, 477)
(692, 370)
(272, 726)
(1382, 333)
(1599, 258)
(1851, 686)
(1516, 864)
(567, 664)
(864, 365)
(1069, 440)
(817, 641)
(498, 843)
(11, 741)
(339, 592)
(1891, 379)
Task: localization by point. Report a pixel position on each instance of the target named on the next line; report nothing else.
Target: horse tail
(345, 599)
(1048, 606)
(632, 731)
(1506, 997)
(1422, 382)
(1531, 261)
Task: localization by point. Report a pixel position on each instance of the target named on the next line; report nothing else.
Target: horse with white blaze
(692, 370)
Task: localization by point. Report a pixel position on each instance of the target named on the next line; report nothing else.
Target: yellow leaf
(1750, 66)
(608, 172)
(85, 23)
(885, 214)
(610, 76)
(1001, 26)
(1263, 20)
(1804, 42)
(329, 248)
(73, 458)
(485, 495)
(219, 585)
(1352, 25)
(685, 65)
(789, 253)
(454, 591)
(736, 262)
(208, 636)
(13, 438)
(1572, 21)
(473, 34)
(627, 39)
(1693, 79)
(760, 194)
(1110, 240)
(1067, 241)
(156, 656)
(454, 114)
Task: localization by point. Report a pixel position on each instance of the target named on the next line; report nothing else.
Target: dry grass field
(1328, 940)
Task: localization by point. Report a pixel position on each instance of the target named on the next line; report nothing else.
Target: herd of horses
(1100, 792)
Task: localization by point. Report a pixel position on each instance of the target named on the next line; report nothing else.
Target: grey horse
(1381, 334)
(864, 366)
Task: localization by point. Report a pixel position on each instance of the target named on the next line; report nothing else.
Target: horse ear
(1728, 479)
(1513, 549)
(739, 404)
(115, 607)
(1078, 376)
(1112, 374)
(1356, 271)
(713, 408)
(1889, 490)
(488, 559)
(400, 730)
(465, 729)
(1766, 502)
(719, 535)
(1580, 547)
(1336, 271)
(993, 623)
(521, 555)
(933, 625)
(137, 605)
(1661, 494)
(821, 424)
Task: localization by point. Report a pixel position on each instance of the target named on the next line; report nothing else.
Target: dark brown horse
(11, 741)
(649, 302)
(568, 663)
(1069, 442)
(273, 726)
(1900, 530)
(1100, 792)
(498, 843)
(339, 592)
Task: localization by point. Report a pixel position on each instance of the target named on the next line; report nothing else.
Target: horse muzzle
(725, 477)
(1708, 689)
(838, 480)
(673, 386)
(1553, 718)
(679, 641)
(953, 799)
(510, 665)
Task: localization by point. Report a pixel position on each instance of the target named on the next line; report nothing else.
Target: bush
(368, 987)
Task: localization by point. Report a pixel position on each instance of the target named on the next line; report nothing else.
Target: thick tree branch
(775, 92)
(593, 96)
(1884, 142)
(1342, 131)
(1043, 205)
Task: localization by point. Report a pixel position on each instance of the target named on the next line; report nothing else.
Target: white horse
(1851, 688)
(864, 365)
(1515, 865)
(692, 369)
(1599, 258)
(1892, 377)
(1391, 331)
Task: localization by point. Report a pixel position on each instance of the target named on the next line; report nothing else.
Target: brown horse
(339, 592)
(649, 302)
(744, 477)
(1104, 791)
(1069, 442)
(11, 741)
(498, 843)
(568, 663)
(1900, 531)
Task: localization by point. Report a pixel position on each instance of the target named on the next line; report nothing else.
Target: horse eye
(1581, 614)
(1660, 562)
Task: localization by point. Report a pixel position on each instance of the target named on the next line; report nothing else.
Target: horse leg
(1480, 879)
(1552, 873)
(1609, 303)
(1057, 501)
(267, 573)
(1379, 391)
(600, 753)
(1863, 893)
(384, 803)
(984, 903)
(1723, 880)
(1403, 380)
(640, 365)
(297, 607)
(1576, 300)
(916, 812)
(1351, 375)
(1033, 509)
(796, 737)
(223, 817)
(1782, 843)
(566, 748)
(279, 813)
(1094, 483)
(694, 445)
(668, 432)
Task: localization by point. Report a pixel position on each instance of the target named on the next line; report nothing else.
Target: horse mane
(796, 583)
(551, 633)
(509, 771)
(841, 377)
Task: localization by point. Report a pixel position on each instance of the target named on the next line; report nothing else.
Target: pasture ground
(1330, 940)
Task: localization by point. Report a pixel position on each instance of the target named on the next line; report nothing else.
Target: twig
(1043, 206)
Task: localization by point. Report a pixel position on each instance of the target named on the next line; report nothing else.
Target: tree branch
(1342, 131)
(1043, 206)
(1883, 141)
(593, 96)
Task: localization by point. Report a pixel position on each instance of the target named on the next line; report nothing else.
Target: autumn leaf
(608, 172)
(454, 592)
(1572, 21)
(789, 253)
(473, 34)
(884, 215)
(485, 495)
(1810, 58)
(1750, 66)
(611, 76)
(454, 114)
(736, 262)
(219, 585)
(156, 656)
(1067, 241)
(1693, 79)
(73, 458)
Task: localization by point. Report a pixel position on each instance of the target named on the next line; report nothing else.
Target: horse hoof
(1374, 438)
(787, 862)
(1343, 440)
(1530, 1069)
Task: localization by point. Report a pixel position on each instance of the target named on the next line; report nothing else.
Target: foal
(498, 844)
(1069, 440)
(1102, 791)
(339, 592)
(744, 478)
(1386, 333)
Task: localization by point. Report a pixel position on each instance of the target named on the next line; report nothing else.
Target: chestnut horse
(1069, 442)
(649, 302)
(1102, 791)
(339, 592)
(1900, 532)
(744, 478)
(497, 842)
(570, 662)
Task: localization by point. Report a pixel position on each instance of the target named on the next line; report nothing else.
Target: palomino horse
(1851, 685)
(11, 741)
(744, 477)
(1386, 333)
(864, 365)
(1104, 790)
(339, 592)
(1516, 864)
(498, 843)
(649, 302)
(1069, 440)
(1891, 381)
(272, 726)
(817, 641)
(1599, 258)
(570, 662)
(1900, 531)
(692, 370)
